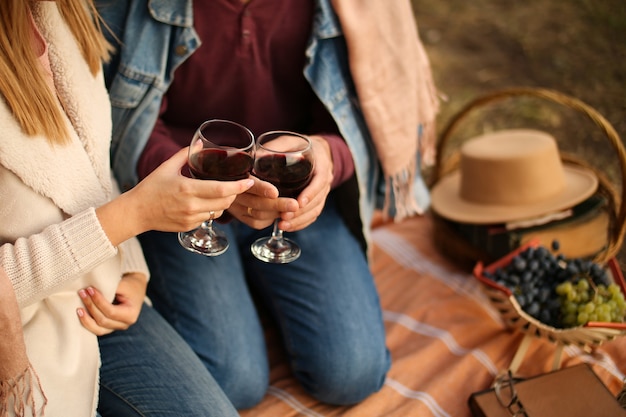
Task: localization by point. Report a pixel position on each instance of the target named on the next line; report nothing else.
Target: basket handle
(440, 168)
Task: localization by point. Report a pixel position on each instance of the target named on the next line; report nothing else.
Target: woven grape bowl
(591, 334)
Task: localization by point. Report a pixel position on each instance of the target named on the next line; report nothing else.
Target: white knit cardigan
(51, 241)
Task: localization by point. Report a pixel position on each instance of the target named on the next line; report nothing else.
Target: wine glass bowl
(284, 159)
(220, 150)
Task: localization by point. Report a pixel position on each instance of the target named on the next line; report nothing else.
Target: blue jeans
(325, 305)
(149, 370)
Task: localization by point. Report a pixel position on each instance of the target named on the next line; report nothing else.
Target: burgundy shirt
(248, 70)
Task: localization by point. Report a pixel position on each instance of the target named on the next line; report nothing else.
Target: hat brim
(446, 200)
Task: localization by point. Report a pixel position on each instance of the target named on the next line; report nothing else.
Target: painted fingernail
(82, 293)
(91, 291)
(80, 312)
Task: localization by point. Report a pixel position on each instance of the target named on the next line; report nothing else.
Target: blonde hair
(22, 80)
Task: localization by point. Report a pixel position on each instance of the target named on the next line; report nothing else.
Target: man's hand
(312, 199)
(260, 205)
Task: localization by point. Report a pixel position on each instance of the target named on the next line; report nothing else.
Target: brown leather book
(575, 391)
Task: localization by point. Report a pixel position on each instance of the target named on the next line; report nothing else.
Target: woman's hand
(101, 316)
(167, 201)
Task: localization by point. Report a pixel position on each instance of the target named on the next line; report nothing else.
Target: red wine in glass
(220, 164)
(220, 150)
(290, 179)
(284, 159)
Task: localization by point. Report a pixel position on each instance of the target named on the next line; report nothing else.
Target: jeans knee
(244, 385)
(346, 380)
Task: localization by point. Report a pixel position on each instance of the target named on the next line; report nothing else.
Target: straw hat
(510, 175)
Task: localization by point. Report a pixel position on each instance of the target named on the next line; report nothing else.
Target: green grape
(564, 288)
(569, 307)
(583, 299)
(589, 307)
(615, 290)
(569, 320)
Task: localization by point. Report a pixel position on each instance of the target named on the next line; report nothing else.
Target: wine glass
(284, 159)
(224, 151)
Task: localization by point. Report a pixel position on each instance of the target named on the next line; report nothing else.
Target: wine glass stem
(207, 226)
(277, 234)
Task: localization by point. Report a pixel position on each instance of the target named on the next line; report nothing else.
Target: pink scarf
(19, 385)
(393, 79)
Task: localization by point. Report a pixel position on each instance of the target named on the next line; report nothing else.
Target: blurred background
(575, 47)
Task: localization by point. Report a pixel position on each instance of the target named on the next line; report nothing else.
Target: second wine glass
(284, 159)
(220, 150)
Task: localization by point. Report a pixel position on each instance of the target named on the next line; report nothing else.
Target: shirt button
(181, 50)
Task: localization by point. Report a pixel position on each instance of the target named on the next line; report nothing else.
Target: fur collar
(77, 175)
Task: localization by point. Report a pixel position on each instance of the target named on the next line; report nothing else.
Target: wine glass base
(208, 245)
(275, 251)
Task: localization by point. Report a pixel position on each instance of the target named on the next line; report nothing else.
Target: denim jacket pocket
(126, 92)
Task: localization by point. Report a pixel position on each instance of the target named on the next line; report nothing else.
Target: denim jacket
(158, 35)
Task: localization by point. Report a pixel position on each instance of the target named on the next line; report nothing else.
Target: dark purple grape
(541, 252)
(514, 280)
(572, 268)
(545, 316)
(519, 263)
(533, 309)
(544, 294)
(527, 276)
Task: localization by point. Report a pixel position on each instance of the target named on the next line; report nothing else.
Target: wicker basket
(466, 255)
(592, 334)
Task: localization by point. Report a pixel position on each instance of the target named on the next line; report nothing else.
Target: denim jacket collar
(326, 24)
(172, 12)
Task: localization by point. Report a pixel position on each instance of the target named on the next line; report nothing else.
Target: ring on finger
(211, 215)
(250, 211)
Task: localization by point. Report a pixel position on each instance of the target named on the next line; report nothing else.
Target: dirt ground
(575, 47)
